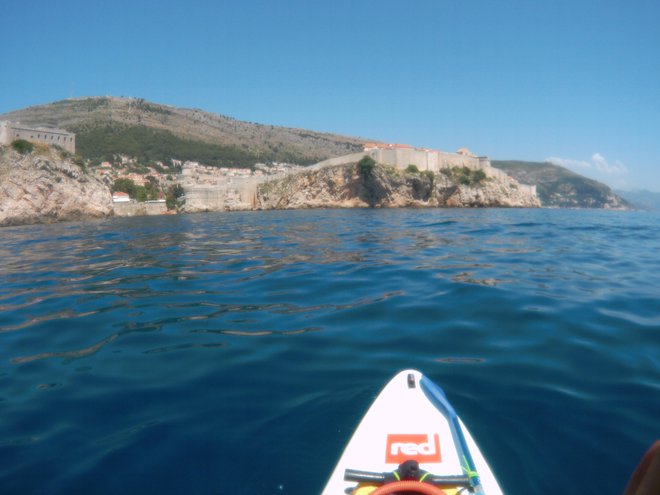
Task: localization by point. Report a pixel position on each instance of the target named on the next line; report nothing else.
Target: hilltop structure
(11, 131)
(401, 156)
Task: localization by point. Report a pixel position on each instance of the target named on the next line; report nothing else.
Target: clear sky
(573, 81)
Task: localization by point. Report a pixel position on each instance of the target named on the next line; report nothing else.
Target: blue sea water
(235, 353)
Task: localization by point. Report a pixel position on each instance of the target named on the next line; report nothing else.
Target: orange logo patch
(420, 447)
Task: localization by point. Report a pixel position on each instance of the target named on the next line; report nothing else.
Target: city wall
(237, 193)
(139, 209)
(403, 157)
(207, 191)
(338, 160)
(426, 160)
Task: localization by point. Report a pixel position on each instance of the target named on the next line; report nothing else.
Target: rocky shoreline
(347, 186)
(46, 186)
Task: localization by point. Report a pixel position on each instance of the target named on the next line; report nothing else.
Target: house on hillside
(120, 197)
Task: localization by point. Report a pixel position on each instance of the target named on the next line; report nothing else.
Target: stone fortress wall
(207, 189)
(239, 193)
(133, 209)
(402, 156)
(210, 188)
(10, 131)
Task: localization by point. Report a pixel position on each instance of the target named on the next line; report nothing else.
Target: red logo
(420, 447)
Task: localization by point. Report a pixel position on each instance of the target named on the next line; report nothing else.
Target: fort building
(11, 131)
(401, 156)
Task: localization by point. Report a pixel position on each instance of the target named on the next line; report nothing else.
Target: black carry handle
(440, 481)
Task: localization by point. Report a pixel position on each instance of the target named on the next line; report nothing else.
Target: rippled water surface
(235, 353)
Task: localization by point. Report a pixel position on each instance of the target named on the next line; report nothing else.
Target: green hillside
(150, 131)
(148, 144)
(559, 187)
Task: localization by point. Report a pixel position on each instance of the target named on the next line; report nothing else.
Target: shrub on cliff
(80, 161)
(479, 176)
(366, 165)
(465, 176)
(412, 169)
(22, 146)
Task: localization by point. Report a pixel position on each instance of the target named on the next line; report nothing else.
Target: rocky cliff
(43, 186)
(350, 186)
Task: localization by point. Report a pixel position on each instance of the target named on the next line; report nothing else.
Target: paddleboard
(410, 423)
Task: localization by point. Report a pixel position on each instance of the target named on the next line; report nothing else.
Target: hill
(106, 127)
(149, 131)
(559, 187)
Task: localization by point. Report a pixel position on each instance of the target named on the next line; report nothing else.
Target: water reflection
(67, 355)
(177, 271)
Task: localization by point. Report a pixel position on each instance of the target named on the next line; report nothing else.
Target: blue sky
(574, 81)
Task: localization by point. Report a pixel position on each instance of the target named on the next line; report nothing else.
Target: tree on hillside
(151, 188)
(124, 185)
(174, 197)
(141, 194)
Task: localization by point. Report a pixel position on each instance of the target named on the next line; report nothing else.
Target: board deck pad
(403, 423)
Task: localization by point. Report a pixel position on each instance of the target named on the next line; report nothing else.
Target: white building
(120, 197)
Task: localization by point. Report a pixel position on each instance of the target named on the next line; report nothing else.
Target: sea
(235, 353)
